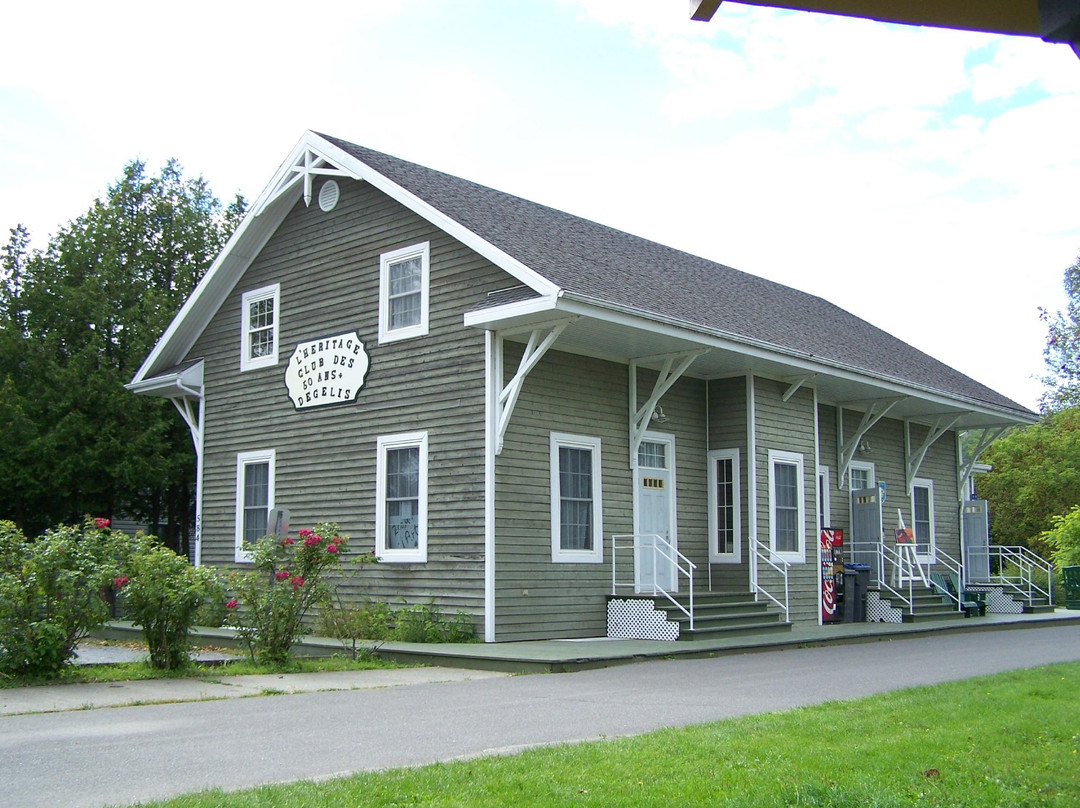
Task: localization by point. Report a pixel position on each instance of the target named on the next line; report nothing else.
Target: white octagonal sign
(325, 371)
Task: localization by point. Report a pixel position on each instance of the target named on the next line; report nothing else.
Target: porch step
(718, 616)
(1037, 606)
(927, 605)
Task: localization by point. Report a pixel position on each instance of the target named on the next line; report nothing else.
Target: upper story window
(259, 328)
(403, 293)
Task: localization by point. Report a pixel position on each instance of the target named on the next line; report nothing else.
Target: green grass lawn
(1005, 740)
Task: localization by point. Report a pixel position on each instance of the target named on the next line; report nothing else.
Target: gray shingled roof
(606, 265)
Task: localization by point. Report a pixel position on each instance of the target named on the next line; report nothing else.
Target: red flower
(296, 582)
(230, 604)
(311, 541)
(286, 542)
(101, 522)
(331, 548)
(281, 575)
(118, 583)
(336, 540)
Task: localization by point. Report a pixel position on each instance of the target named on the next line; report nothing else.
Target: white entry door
(654, 514)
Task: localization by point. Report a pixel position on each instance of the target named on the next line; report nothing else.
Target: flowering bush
(51, 592)
(163, 595)
(287, 580)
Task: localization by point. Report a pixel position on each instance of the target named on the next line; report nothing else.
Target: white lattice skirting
(997, 602)
(882, 611)
(639, 619)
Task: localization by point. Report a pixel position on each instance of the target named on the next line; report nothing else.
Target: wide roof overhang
(1052, 20)
(604, 331)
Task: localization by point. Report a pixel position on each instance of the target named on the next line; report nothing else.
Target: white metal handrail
(943, 559)
(1026, 563)
(762, 551)
(661, 548)
(887, 560)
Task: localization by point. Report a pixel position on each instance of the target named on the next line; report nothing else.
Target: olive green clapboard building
(523, 412)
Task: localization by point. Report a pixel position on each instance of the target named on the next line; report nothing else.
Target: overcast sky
(925, 180)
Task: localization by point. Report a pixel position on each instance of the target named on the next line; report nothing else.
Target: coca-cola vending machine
(832, 573)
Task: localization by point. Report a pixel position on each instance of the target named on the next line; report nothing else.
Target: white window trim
(558, 554)
(789, 458)
(405, 440)
(920, 482)
(244, 459)
(736, 473)
(255, 295)
(386, 334)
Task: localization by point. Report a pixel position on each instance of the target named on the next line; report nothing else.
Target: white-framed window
(259, 327)
(823, 498)
(401, 497)
(787, 523)
(403, 292)
(922, 517)
(577, 508)
(725, 507)
(861, 475)
(254, 498)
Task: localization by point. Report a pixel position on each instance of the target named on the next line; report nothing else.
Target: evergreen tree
(76, 321)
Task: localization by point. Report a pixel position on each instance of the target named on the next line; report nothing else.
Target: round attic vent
(328, 195)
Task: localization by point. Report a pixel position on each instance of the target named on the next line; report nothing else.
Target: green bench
(1071, 575)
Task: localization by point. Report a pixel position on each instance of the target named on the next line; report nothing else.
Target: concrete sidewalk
(59, 698)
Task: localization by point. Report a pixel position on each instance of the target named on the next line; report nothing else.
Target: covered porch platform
(561, 656)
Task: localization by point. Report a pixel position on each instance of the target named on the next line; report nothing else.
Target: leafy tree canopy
(76, 320)
(1035, 477)
(1062, 352)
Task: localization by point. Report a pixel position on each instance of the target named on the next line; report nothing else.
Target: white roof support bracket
(967, 465)
(675, 365)
(540, 340)
(796, 384)
(914, 459)
(874, 413)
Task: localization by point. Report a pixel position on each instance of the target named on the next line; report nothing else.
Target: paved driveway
(127, 754)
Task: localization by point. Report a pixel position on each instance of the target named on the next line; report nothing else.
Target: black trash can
(856, 582)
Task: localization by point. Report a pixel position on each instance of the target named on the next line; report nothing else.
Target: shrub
(286, 581)
(425, 623)
(51, 592)
(162, 594)
(1064, 538)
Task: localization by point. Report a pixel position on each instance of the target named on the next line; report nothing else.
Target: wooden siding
(886, 442)
(728, 430)
(788, 426)
(534, 596)
(328, 268)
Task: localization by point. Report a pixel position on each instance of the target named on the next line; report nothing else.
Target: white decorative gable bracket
(915, 458)
(540, 341)
(670, 372)
(874, 413)
(308, 165)
(967, 466)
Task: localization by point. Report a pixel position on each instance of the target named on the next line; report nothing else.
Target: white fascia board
(490, 318)
(602, 310)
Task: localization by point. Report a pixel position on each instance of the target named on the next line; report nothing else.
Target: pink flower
(281, 575)
(331, 548)
(286, 542)
(100, 522)
(118, 583)
(296, 582)
(312, 541)
(336, 540)
(230, 604)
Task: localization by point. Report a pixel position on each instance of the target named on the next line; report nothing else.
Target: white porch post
(492, 384)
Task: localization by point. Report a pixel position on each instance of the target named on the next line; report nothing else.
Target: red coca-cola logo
(828, 598)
